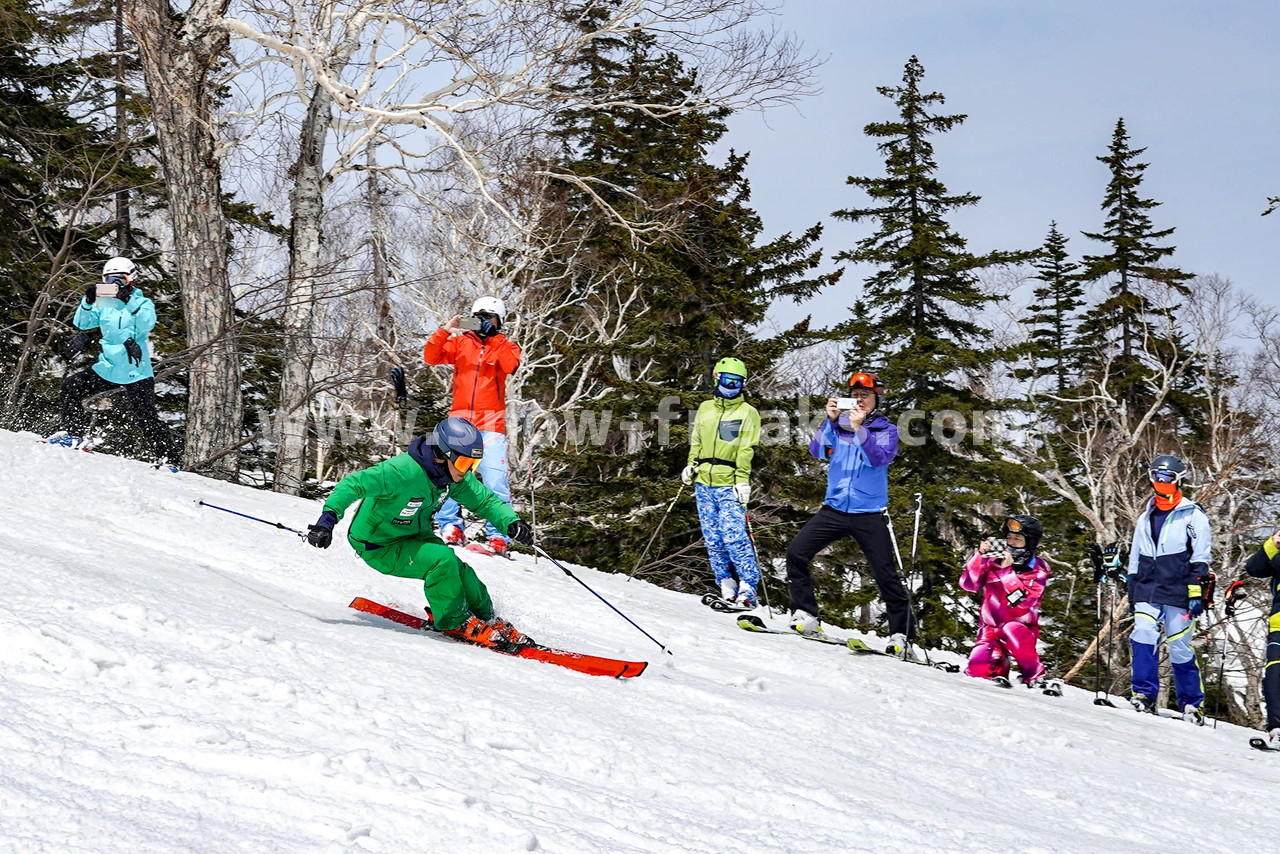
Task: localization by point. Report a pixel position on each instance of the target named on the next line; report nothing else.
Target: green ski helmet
(730, 365)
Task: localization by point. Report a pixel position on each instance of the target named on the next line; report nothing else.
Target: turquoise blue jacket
(119, 322)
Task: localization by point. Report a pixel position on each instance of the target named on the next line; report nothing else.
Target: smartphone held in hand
(471, 324)
(107, 289)
(846, 404)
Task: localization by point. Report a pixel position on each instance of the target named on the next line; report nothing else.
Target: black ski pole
(566, 571)
(1099, 696)
(654, 535)
(254, 518)
(751, 534)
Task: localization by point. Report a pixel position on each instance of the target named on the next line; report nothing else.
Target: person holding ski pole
(125, 317)
(482, 359)
(392, 532)
(858, 442)
(1169, 584)
(1265, 563)
(1011, 578)
(722, 445)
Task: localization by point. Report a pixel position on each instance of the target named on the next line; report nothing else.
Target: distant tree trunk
(178, 52)
(382, 397)
(305, 236)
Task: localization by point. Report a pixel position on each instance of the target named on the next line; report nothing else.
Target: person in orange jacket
(482, 359)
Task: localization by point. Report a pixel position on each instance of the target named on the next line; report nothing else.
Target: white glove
(742, 492)
(687, 476)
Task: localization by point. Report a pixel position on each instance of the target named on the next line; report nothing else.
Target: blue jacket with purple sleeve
(858, 475)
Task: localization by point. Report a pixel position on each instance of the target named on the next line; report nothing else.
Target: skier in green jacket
(392, 530)
(722, 445)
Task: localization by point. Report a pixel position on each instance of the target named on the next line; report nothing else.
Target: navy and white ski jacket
(1160, 572)
(858, 476)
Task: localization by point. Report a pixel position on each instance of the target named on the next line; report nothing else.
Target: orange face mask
(1168, 495)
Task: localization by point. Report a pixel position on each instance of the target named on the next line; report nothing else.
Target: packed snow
(178, 679)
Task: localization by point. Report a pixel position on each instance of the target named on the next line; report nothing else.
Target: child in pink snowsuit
(1012, 584)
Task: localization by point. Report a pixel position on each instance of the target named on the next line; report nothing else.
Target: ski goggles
(1013, 526)
(1163, 476)
(461, 463)
(867, 381)
(731, 381)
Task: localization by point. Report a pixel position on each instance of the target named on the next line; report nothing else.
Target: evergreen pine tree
(1052, 347)
(701, 279)
(1134, 254)
(915, 326)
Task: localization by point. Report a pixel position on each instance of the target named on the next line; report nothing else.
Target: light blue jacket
(119, 322)
(1160, 572)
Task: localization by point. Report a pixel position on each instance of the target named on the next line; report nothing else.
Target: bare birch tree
(180, 51)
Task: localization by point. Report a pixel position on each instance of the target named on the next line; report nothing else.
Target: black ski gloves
(320, 534)
(521, 532)
(1109, 562)
(124, 292)
(91, 293)
(135, 352)
(75, 346)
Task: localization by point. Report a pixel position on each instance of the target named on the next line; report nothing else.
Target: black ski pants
(139, 396)
(871, 530)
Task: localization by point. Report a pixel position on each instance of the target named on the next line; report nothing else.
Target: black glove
(135, 352)
(1236, 594)
(75, 346)
(320, 534)
(91, 293)
(124, 292)
(521, 532)
(402, 392)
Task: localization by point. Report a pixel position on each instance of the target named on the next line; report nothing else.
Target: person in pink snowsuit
(1011, 583)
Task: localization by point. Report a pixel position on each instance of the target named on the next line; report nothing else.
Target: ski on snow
(1050, 688)
(1263, 745)
(752, 623)
(724, 606)
(590, 664)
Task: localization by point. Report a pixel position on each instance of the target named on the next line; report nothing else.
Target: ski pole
(888, 523)
(566, 571)
(533, 505)
(915, 539)
(654, 535)
(751, 533)
(1099, 697)
(254, 518)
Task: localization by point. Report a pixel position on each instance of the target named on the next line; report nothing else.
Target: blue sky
(1043, 84)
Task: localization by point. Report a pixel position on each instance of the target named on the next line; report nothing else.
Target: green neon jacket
(723, 441)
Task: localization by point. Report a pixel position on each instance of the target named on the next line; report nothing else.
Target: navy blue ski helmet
(458, 440)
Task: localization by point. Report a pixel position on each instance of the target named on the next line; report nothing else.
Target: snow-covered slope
(178, 679)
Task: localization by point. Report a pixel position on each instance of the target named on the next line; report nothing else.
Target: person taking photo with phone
(858, 442)
(125, 317)
(1011, 578)
(482, 359)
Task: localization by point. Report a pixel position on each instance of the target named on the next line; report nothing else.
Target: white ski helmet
(119, 266)
(489, 305)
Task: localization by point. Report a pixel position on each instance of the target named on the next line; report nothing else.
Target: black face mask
(488, 326)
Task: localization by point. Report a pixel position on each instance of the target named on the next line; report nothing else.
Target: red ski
(589, 664)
